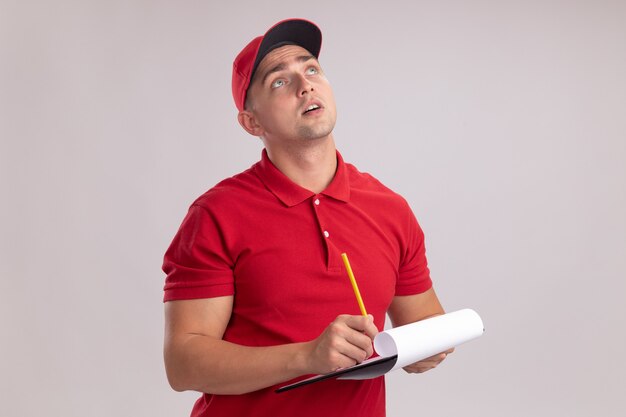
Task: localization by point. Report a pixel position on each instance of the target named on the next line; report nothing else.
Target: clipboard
(375, 367)
(404, 345)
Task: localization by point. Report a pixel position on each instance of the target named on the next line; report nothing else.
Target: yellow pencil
(354, 286)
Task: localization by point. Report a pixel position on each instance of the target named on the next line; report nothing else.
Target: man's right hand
(345, 342)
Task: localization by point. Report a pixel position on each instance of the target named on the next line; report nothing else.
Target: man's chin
(315, 132)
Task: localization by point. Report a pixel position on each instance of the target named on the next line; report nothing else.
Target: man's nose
(304, 86)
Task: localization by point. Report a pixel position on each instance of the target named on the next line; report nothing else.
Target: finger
(361, 342)
(417, 369)
(371, 330)
(364, 324)
(426, 364)
(342, 354)
(353, 353)
(422, 366)
(349, 341)
(436, 358)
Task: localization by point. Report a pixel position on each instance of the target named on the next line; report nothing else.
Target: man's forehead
(282, 55)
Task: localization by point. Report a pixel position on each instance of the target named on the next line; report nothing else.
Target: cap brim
(294, 31)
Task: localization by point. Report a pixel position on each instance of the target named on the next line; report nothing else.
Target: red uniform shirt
(277, 248)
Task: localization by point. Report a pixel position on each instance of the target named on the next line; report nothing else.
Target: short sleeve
(197, 262)
(413, 274)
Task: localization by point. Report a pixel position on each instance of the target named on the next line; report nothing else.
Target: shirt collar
(290, 193)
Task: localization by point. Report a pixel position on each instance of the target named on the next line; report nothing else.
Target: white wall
(503, 123)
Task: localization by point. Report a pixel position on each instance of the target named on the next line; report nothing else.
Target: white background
(503, 124)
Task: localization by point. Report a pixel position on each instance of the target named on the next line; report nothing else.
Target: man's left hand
(428, 363)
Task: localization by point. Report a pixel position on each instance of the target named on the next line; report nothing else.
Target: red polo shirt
(277, 248)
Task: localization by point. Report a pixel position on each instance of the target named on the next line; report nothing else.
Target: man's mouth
(311, 108)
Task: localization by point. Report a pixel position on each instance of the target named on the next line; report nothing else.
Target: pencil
(355, 287)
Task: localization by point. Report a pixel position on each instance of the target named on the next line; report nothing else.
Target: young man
(256, 293)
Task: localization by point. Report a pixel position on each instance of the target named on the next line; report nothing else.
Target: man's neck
(311, 167)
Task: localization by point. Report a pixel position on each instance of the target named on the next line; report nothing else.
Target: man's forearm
(210, 365)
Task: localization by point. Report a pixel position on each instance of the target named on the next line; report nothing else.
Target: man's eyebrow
(281, 66)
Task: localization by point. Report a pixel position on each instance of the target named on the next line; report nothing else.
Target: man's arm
(196, 357)
(411, 308)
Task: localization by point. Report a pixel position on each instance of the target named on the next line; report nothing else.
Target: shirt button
(326, 233)
(317, 201)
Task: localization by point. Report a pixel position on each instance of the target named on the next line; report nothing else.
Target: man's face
(290, 97)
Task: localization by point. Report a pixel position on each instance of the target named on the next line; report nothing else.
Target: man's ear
(248, 121)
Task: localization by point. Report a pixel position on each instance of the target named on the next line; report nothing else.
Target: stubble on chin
(316, 131)
(308, 133)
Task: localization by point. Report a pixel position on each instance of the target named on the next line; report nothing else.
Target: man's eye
(278, 83)
(311, 71)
